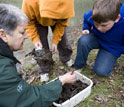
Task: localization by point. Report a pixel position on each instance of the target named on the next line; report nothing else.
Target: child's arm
(86, 22)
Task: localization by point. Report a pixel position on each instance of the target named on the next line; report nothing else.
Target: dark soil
(69, 90)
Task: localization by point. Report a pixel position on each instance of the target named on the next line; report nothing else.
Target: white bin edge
(83, 94)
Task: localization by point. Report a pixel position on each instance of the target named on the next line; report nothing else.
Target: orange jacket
(43, 12)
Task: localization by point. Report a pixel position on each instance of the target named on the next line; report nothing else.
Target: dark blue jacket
(112, 40)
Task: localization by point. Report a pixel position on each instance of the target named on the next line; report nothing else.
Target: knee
(83, 40)
(100, 71)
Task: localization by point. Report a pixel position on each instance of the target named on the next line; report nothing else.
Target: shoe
(69, 63)
(44, 77)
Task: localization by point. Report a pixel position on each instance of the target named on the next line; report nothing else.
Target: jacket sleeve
(30, 28)
(86, 21)
(43, 95)
(17, 92)
(50, 92)
(59, 31)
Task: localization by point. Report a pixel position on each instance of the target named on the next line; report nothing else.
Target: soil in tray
(69, 90)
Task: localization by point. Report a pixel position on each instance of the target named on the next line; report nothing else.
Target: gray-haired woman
(14, 91)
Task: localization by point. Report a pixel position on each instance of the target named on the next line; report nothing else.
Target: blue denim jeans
(105, 61)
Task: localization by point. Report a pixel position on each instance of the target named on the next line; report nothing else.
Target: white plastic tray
(81, 95)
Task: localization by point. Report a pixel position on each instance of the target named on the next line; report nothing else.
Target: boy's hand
(69, 77)
(38, 45)
(85, 32)
(54, 48)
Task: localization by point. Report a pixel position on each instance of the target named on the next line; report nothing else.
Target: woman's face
(15, 41)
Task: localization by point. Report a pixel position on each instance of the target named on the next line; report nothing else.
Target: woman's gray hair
(11, 17)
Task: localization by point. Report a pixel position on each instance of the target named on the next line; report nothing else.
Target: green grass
(106, 92)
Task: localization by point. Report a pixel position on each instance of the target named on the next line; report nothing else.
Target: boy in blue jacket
(104, 30)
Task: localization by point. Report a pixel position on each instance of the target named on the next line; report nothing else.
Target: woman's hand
(69, 77)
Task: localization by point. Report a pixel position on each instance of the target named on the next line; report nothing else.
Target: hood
(56, 9)
(5, 51)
